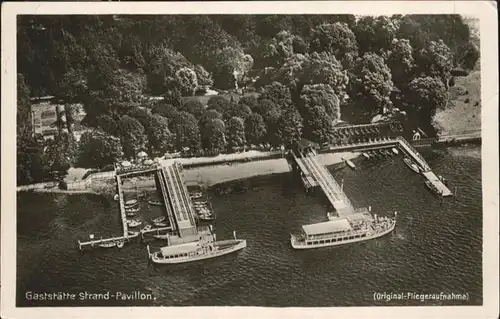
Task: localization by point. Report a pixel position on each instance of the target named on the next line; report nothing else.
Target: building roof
(179, 249)
(327, 227)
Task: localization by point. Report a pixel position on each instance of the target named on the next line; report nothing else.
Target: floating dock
(439, 186)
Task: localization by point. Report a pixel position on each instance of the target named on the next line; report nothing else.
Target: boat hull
(297, 245)
(236, 245)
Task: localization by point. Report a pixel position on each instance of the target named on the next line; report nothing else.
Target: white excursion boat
(134, 223)
(194, 251)
(159, 219)
(414, 167)
(345, 230)
(395, 151)
(155, 202)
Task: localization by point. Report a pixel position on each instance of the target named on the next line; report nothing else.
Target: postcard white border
(484, 10)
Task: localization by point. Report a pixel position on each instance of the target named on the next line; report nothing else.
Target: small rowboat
(120, 244)
(155, 202)
(366, 155)
(350, 164)
(159, 219)
(146, 228)
(116, 197)
(131, 210)
(395, 151)
(411, 165)
(161, 224)
(134, 223)
(130, 214)
(161, 236)
(196, 195)
(131, 203)
(207, 217)
(108, 244)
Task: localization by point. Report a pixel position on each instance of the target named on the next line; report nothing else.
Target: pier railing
(414, 153)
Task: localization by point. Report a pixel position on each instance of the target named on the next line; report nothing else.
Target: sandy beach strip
(209, 176)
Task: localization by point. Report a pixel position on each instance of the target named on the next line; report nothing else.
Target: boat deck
(437, 183)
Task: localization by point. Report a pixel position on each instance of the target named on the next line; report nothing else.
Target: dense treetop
(299, 72)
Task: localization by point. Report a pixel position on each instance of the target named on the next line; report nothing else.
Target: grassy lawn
(463, 112)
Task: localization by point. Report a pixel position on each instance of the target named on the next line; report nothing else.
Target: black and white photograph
(235, 156)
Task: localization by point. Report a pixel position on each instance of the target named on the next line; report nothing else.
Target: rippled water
(435, 248)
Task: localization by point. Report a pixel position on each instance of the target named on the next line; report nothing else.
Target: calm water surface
(435, 248)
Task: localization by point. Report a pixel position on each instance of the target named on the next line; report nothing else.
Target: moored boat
(134, 223)
(195, 251)
(350, 164)
(146, 228)
(130, 214)
(366, 155)
(160, 236)
(158, 219)
(414, 167)
(340, 231)
(155, 202)
(108, 244)
(206, 217)
(395, 151)
(131, 203)
(196, 195)
(160, 224)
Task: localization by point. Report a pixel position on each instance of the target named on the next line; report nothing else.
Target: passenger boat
(134, 223)
(366, 155)
(194, 251)
(395, 151)
(108, 244)
(159, 219)
(155, 202)
(414, 167)
(345, 230)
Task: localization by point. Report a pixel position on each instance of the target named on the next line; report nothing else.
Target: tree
(323, 68)
(320, 95)
(425, 95)
(249, 100)
(290, 126)
(187, 132)
(214, 132)
(98, 149)
(470, 56)
(193, 106)
(204, 78)
(318, 125)
(72, 87)
(231, 65)
(274, 51)
(371, 84)
(237, 110)
(401, 62)
(375, 34)
(278, 93)
(108, 124)
(236, 133)
(255, 129)
(337, 39)
(61, 153)
(167, 111)
(132, 136)
(435, 60)
(159, 137)
(188, 81)
(218, 103)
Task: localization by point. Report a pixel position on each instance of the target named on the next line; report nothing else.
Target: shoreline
(210, 176)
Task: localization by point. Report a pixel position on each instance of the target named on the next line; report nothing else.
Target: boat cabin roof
(332, 226)
(179, 249)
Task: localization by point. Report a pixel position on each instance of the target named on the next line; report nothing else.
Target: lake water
(435, 248)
